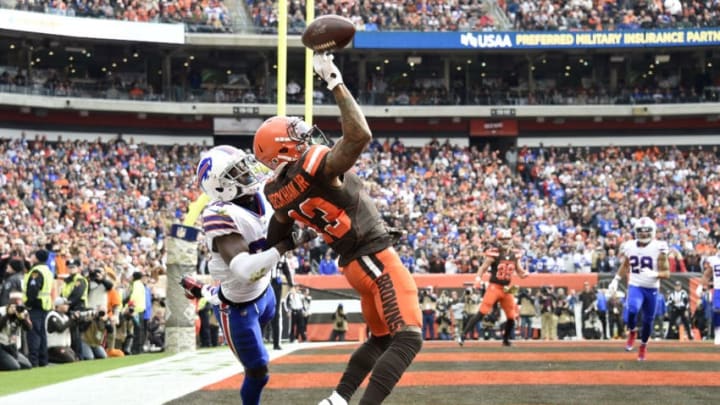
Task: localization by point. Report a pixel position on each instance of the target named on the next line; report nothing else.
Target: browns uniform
(501, 262)
(349, 222)
(501, 270)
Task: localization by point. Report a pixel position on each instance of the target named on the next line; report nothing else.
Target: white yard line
(151, 383)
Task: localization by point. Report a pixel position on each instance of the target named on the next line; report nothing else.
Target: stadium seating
(199, 16)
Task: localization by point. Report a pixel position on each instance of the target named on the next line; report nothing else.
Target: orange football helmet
(284, 139)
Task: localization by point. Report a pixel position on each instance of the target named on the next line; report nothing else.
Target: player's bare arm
(483, 268)
(356, 135)
(663, 266)
(624, 268)
(279, 228)
(519, 270)
(707, 274)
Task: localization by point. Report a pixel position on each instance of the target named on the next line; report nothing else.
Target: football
(328, 33)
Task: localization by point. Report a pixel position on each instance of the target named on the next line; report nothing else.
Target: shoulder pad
(215, 218)
(492, 252)
(313, 157)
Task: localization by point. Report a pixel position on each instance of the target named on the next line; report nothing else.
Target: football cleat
(333, 399)
(642, 351)
(630, 341)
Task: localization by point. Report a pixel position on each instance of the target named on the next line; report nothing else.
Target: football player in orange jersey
(313, 184)
(501, 260)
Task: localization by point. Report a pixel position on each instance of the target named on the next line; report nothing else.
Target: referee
(276, 282)
(678, 306)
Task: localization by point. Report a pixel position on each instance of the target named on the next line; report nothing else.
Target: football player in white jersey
(235, 225)
(646, 260)
(711, 267)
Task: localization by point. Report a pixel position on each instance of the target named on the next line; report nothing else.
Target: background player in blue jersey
(646, 260)
(711, 278)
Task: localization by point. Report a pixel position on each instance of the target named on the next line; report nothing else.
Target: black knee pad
(259, 372)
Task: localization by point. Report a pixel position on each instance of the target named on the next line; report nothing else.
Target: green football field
(680, 373)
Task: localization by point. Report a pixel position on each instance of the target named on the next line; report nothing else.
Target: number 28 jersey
(714, 262)
(344, 216)
(643, 258)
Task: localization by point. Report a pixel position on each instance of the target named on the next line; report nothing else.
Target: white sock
(334, 399)
(717, 336)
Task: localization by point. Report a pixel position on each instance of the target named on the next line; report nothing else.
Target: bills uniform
(714, 263)
(247, 303)
(642, 284)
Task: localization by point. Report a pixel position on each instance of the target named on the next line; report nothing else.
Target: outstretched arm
(663, 266)
(356, 132)
(519, 270)
(620, 275)
(483, 268)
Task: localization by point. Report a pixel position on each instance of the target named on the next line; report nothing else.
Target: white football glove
(210, 294)
(326, 69)
(699, 291)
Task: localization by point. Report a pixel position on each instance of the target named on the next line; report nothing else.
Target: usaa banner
(537, 40)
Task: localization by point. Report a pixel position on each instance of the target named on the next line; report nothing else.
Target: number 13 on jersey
(330, 220)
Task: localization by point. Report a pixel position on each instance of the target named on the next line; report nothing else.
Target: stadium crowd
(453, 15)
(198, 16)
(98, 212)
(471, 15)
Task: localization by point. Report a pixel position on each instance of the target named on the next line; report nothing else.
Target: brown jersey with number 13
(344, 216)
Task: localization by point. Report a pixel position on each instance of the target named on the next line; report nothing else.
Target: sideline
(155, 382)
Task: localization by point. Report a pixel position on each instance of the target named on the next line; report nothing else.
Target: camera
(20, 308)
(100, 314)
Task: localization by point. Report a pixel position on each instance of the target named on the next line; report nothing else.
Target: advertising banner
(77, 27)
(538, 40)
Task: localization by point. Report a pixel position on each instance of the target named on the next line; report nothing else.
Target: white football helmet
(644, 230)
(504, 237)
(226, 173)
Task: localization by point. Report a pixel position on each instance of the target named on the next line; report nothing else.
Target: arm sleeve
(253, 267)
(288, 274)
(107, 284)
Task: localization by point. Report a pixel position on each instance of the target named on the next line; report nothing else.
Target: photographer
(13, 318)
(548, 318)
(93, 335)
(99, 286)
(526, 302)
(75, 291)
(58, 334)
(428, 302)
(471, 299)
(125, 330)
(340, 324)
(12, 280)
